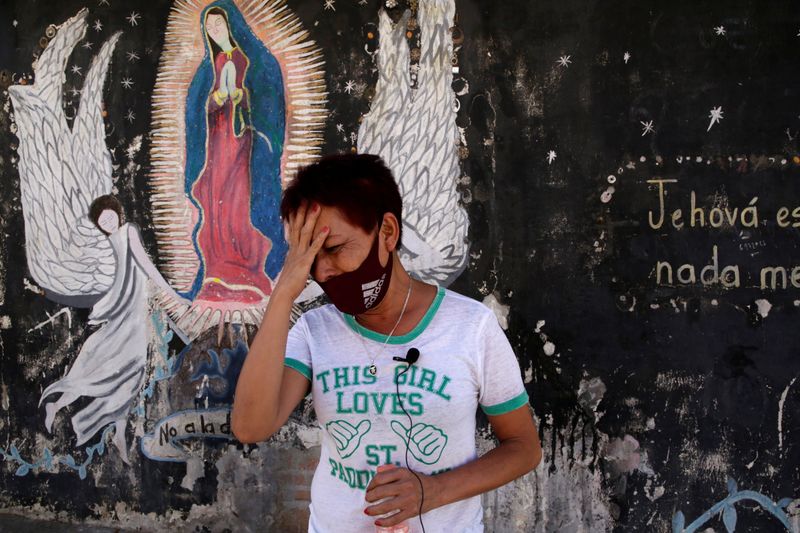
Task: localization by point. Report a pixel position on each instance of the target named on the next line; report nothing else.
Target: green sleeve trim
(300, 367)
(506, 407)
(399, 339)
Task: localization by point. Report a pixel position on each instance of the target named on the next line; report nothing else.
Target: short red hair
(361, 186)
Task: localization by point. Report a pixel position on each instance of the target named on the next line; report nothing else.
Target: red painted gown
(233, 250)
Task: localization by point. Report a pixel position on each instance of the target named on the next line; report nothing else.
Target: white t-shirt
(465, 361)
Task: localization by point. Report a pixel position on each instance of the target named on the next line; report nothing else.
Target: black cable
(408, 443)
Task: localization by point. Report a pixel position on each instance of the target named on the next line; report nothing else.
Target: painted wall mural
(238, 106)
(411, 124)
(72, 224)
(251, 98)
(619, 184)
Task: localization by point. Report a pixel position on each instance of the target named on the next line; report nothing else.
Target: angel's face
(108, 221)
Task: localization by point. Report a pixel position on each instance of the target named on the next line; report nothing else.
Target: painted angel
(112, 363)
(414, 130)
(79, 250)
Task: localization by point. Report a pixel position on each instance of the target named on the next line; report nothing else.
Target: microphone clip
(410, 358)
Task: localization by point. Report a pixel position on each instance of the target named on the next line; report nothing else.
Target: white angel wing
(62, 171)
(415, 132)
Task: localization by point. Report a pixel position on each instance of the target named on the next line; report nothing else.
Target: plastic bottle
(399, 528)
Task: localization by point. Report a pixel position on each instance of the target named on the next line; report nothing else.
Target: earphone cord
(408, 443)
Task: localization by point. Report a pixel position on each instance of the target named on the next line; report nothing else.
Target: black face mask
(362, 289)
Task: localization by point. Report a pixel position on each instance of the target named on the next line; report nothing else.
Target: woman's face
(345, 248)
(217, 28)
(108, 221)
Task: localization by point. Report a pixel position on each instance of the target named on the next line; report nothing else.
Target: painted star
(98, 26)
(715, 115)
(719, 30)
(76, 69)
(133, 18)
(564, 61)
(127, 83)
(340, 128)
(132, 56)
(329, 5)
(130, 117)
(647, 127)
(104, 3)
(349, 86)
(626, 57)
(87, 45)
(74, 92)
(362, 2)
(551, 156)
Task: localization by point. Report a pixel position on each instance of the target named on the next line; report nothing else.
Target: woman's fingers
(319, 240)
(296, 223)
(301, 225)
(401, 503)
(308, 224)
(381, 484)
(304, 245)
(401, 508)
(391, 484)
(394, 491)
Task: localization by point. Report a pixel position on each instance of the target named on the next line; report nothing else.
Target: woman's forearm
(256, 402)
(511, 459)
(263, 400)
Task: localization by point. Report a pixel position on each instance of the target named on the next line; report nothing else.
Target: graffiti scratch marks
(414, 131)
(51, 319)
(726, 507)
(781, 403)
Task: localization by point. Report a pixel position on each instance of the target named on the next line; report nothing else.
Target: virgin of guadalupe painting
(239, 105)
(235, 120)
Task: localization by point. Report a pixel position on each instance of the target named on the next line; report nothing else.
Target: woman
(418, 413)
(110, 367)
(234, 252)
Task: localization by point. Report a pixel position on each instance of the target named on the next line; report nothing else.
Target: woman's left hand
(400, 491)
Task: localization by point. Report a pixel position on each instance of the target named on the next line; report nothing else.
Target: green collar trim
(399, 339)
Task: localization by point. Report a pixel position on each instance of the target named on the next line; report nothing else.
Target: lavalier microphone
(410, 358)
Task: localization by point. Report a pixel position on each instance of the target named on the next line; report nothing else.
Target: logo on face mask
(351, 293)
(372, 290)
